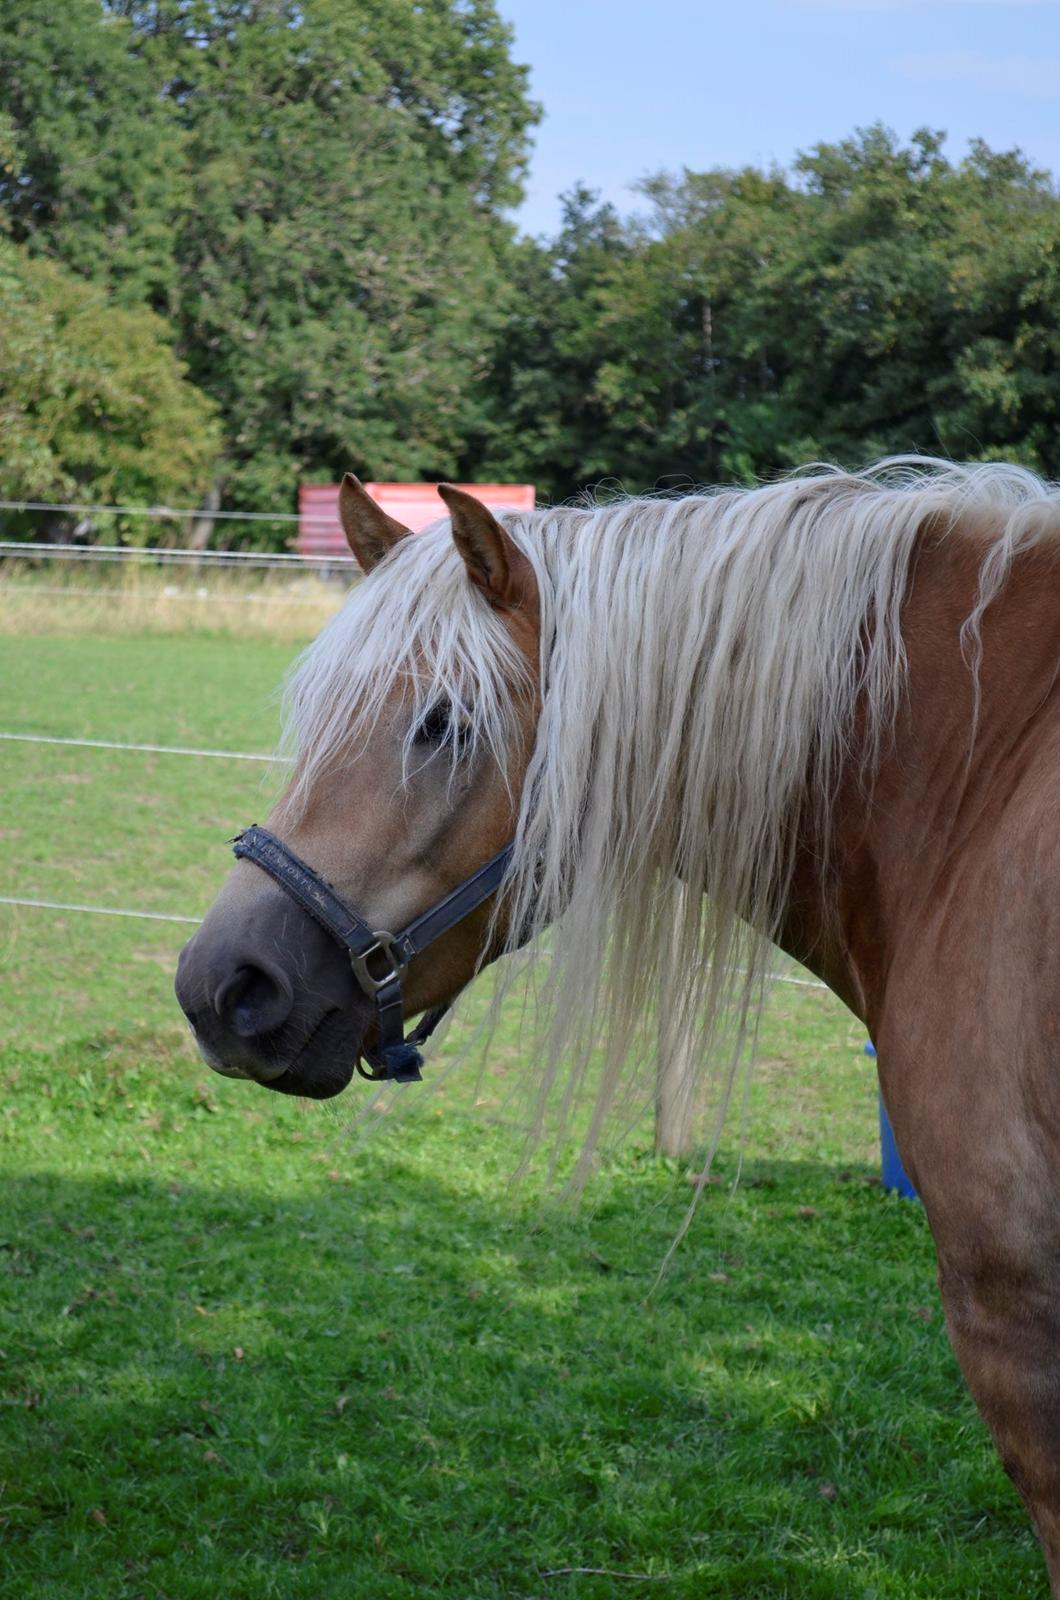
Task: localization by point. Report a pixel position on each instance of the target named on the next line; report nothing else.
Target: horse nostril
(253, 1001)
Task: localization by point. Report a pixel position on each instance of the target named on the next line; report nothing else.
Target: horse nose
(253, 1000)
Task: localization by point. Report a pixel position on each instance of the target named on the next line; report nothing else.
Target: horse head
(411, 749)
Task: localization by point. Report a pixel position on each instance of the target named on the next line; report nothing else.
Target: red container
(414, 504)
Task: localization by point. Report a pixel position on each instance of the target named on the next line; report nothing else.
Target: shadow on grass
(391, 1387)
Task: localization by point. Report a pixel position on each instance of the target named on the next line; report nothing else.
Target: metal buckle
(384, 943)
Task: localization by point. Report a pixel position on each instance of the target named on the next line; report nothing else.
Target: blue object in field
(894, 1174)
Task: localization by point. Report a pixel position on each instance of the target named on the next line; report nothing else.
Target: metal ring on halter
(371, 985)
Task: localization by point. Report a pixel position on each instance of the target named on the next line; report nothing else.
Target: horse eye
(436, 727)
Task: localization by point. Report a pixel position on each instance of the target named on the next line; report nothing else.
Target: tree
(918, 306)
(543, 421)
(93, 403)
(697, 345)
(881, 299)
(333, 225)
(312, 195)
(92, 169)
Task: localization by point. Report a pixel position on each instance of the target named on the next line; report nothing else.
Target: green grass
(247, 1350)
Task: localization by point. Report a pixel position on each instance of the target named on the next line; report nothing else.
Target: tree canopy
(879, 299)
(311, 194)
(304, 211)
(93, 402)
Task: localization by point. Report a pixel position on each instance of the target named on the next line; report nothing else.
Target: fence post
(674, 1080)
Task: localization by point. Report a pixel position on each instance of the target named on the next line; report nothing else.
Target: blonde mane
(701, 660)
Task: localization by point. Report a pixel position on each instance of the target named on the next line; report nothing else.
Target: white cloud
(1038, 76)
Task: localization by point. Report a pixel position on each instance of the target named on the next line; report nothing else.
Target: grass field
(247, 1350)
(92, 598)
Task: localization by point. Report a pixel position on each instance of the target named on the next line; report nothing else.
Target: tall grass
(92, 598)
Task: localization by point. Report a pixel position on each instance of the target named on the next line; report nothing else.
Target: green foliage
(91, 167)
(313, 195)
(92, 398)
(545, 421)
(880, 299)
(323, 183)
(339, 269)
(924, 289)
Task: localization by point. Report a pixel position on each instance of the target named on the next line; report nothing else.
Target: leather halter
(378, 959)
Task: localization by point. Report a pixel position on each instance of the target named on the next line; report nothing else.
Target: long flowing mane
(702, 660)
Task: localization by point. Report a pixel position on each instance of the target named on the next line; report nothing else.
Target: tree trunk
(201, 531)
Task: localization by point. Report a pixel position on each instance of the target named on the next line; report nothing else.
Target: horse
(666, 734)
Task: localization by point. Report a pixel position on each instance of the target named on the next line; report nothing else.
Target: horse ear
(370, 533)
(494, 562)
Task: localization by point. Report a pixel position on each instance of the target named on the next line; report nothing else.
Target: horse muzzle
(275, 1003)
(252, 1020)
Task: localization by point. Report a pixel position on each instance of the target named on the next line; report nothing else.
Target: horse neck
(936, 794)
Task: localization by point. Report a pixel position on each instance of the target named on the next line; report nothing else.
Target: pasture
(251, 1348)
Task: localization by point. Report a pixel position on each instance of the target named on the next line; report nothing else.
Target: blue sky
(632, 86)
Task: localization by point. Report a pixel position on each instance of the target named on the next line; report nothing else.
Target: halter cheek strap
(378, 959)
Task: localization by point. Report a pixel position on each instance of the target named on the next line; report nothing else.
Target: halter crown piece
(378, 959)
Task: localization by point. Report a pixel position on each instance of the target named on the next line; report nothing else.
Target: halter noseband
(378, 959)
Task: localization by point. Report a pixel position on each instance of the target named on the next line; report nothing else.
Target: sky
(630, 87)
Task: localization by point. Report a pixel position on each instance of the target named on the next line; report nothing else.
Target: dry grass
(96, 599)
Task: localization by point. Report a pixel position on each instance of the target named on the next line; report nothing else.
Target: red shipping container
(414, 504)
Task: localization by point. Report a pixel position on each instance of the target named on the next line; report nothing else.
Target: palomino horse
(831, 703)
